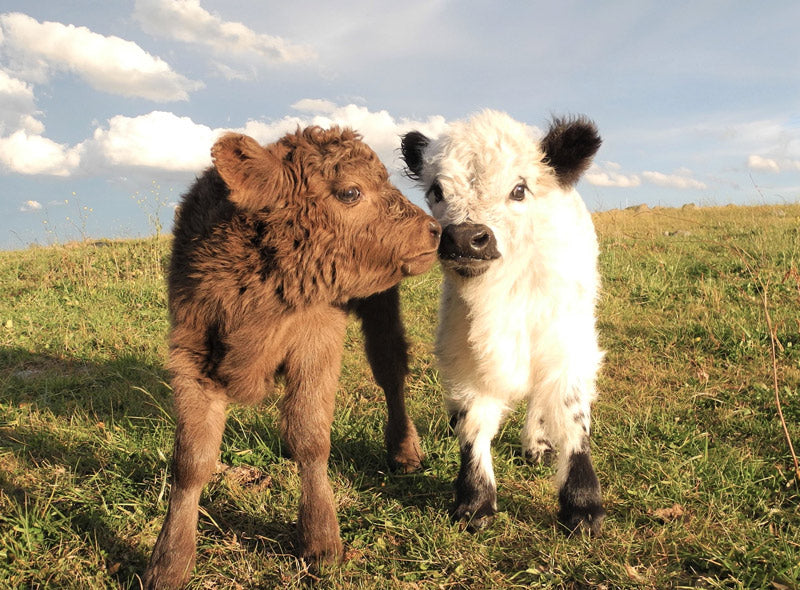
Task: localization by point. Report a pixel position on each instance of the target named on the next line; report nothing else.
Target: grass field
(694, 464)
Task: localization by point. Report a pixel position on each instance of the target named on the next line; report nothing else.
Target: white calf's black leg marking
(580, 502)
(476, 496)
(476, 490)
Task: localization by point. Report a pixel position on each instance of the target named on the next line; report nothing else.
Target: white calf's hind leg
(536, 445)
(476, 490)
(580, 503)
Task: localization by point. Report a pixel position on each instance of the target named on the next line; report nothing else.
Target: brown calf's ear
(255, 174)
(569, 146)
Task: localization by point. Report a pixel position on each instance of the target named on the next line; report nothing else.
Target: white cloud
(762, 164)
(609, 175)
(109, 64)
(756, 162)
(16, 102)
(23, 149)
(27, 153)
(29, 206)
(681, 180)
(773, 144)
(378, 128)
(31, 124)
(230, 73)
(186, 20)
(315, 105)
(164, 141)
(156, 140)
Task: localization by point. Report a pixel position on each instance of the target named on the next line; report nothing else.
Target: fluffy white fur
(525, 329)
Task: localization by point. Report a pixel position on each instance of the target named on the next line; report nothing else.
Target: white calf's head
(488, 180)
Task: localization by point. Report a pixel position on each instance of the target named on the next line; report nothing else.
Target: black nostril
(436, 229)
(479, 241)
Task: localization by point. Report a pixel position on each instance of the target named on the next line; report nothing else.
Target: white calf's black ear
(413, 145)
(569, 146)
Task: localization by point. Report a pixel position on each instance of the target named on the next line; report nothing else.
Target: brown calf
(273, 245)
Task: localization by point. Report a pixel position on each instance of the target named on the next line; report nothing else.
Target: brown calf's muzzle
(424, 254)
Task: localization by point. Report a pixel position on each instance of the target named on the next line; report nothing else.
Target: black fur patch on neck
(569, 147)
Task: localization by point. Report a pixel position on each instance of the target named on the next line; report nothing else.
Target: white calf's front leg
(475, 425)
(580, 502)
(536, 445)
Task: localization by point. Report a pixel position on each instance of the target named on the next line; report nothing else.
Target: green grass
(694, 465)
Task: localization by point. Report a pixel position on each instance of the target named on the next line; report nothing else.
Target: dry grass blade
(774, 344)
(778, 405)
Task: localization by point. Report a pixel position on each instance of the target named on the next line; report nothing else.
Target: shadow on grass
(105, 391)
(105, 428)
(72, 421)
(365, 463)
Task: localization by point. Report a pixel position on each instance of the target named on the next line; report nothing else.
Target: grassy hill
(690, 451)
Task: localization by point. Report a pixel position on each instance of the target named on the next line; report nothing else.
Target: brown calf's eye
(349, 195)
(518, 194)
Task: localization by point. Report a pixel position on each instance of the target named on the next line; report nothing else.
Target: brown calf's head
(320, 205)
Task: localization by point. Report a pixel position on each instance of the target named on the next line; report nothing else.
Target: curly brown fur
(273, 245)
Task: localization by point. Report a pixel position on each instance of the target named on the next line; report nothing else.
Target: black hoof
(475, 518)
(581, 505)
(582, 520)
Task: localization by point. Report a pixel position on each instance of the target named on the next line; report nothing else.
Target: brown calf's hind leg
(387, 352)
(312, 373)
(200, 422)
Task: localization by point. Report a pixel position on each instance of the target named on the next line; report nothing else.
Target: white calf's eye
(436, 191)
(518, 194)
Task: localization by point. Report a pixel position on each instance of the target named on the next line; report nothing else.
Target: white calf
(516, 320)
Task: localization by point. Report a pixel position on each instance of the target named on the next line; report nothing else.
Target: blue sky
(108, 109)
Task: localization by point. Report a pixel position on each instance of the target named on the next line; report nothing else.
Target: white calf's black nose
(468, 240)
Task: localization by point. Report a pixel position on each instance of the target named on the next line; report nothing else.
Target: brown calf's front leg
(200, 422)
(312, 373)
(387, 353)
